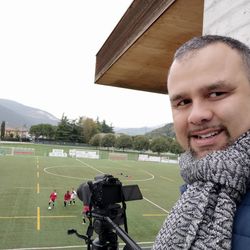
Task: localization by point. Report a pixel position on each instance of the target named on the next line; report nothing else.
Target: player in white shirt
(73, 197)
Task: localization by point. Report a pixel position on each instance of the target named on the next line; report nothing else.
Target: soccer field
(27, 181)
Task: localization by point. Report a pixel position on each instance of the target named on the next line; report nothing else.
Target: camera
(106, 190)
(106, 196)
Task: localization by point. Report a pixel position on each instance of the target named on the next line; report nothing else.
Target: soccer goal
(118, 156)
(6, 150)
(16, 151)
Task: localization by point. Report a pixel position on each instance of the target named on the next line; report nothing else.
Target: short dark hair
(200, 42)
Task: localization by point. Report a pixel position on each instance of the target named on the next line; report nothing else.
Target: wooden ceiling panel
(143, 64)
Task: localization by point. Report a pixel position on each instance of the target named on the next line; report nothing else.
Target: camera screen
(131, 193)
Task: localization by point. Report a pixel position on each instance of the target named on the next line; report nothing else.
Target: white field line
(166, 178)
(34, 217)
(52, 187)
(65, 176)
(166, 211)
(90, 166)
(152, 177)
(72, 177)
(70, 247)
(46, 170)
(148, 179)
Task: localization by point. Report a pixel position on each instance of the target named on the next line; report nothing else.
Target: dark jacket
(241, 227)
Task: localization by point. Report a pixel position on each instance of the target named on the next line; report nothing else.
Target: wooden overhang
(139, 51)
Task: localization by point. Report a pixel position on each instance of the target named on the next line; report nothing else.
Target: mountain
(166, 130)
(151, 132)
(17, 115)
(135, 131)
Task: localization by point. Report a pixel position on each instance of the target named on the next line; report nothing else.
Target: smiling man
(209, 90)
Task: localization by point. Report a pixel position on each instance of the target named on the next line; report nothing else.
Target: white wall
(227, 17)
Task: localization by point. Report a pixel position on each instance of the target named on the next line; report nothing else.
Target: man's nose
(200, 113)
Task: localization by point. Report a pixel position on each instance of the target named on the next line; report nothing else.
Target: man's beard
(208, 149)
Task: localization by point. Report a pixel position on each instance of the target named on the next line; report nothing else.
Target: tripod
(107, 239)
(102, 196)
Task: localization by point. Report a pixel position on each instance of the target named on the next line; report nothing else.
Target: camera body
(106, 190)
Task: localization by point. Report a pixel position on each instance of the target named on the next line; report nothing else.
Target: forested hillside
(167, 130)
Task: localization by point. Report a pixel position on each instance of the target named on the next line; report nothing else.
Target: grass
(26, 182)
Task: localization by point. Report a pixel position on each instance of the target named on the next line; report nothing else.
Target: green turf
(26, 182)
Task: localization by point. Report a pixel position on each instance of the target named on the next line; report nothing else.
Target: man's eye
(216, 94)
(183, 102)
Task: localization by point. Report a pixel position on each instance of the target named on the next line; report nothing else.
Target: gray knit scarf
(203, 216)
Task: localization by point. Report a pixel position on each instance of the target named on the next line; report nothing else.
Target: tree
(141, 143)
(49, 131)
(35, 130)
(108, 140)
(124, 141)
(106, 128)
(44, 130)
(64, 129)
(159, 145)
(89, 128)
(96, 140)
(98, 125)
(175, 148)
(2, 130)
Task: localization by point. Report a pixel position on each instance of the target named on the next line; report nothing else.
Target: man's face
(210, 97)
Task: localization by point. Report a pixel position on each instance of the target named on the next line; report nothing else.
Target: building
(16, 133)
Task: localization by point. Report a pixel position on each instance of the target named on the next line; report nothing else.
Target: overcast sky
(47, 61)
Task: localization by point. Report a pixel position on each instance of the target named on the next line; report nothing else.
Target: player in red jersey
(67, 198)
(52, 199)
(85, 211)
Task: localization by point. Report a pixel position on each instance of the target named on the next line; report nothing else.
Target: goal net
(6, 151)
(118, 156)
(16, 151)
